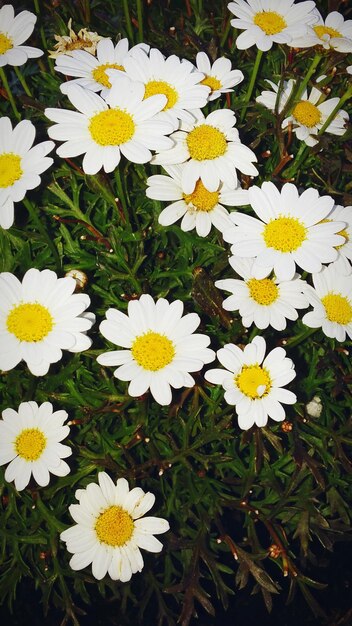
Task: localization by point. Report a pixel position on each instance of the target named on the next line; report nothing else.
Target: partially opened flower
(220, 76)
(254, 382)
(110, 529)
(289, 232)
(83, 40)
(30, 442)
(212, 151)
(39, 318)
(160, 346)
(21, 164)
(103, 130)
(13, 32)
(344, 251)
(265, 22)
(264, 302)
(200, 209)
(335, 33)
(331, 299)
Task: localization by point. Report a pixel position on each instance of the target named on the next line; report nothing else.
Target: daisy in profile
(200, 209)
(265, 302)
(30, 442)
(110, 529)
(269, 21)
(160, 347)
(331, 299)
(333, 34)
(212, 150)
(13, 32)
(83, 40)
(175, 78)
(103, 130)
(90, 70)
(343, 262)
(21, 164)
(289, 231)
(39, 318)
(220, 76)
(254, 382)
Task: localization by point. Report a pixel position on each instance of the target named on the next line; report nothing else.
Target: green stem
(140, 20)
(9, 93)
(305, 81)
(42, 34)
(128, 19)
(34, 216)
(226, 33)
(121, 195)
(295, 341)
(333, 113)
(22, 80)
(252, 83)
(300, 156)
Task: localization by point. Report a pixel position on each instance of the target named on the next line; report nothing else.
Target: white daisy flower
(39, 318)
(13, 32)
(332, 304)
(335, 33)
(20, 165)
(212, 150)
(102, 130)
(110, 529)
(265, 302)
(253, 382)
(177, 79)
(289, 231)
(30, 443)
(343, 263)
(220, 76)
(308, 115)
(90, 70)
(268, 21)
(160, 346)
(200, 209)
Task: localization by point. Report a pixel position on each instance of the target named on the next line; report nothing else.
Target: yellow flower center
(251, 381)
(10, 169)
(153, 351)
(114, 526)
(270, 22)
(263, 291)
(112, 127)
(307, 114)
(285, 234)
(30, 444)
(202, 199)
(156, 87)
(212, 82)
(206, 142)
(30, 322)
(326, 30)
(338, 308)
(6, 43)
(101, 76)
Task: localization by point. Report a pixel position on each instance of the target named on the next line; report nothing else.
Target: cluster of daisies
(138, 104)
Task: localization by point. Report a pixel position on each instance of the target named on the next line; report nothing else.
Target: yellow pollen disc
(338, 308)
(263, 291)
(5, 43)
(212, 82)
(201, 198)
(112, 127)
(252, 377)
(153, 351)
(114, 526)
(326, 30)
(10, 169)
(307, 114)
(29, 322)
(100, 75)
(206, 142)
(270, 22)
(157, 87)
(30, 444)
(285, 234)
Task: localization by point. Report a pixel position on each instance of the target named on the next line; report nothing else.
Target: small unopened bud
(80, 277)
(274, 551)
(286, 426)
(314, 407)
